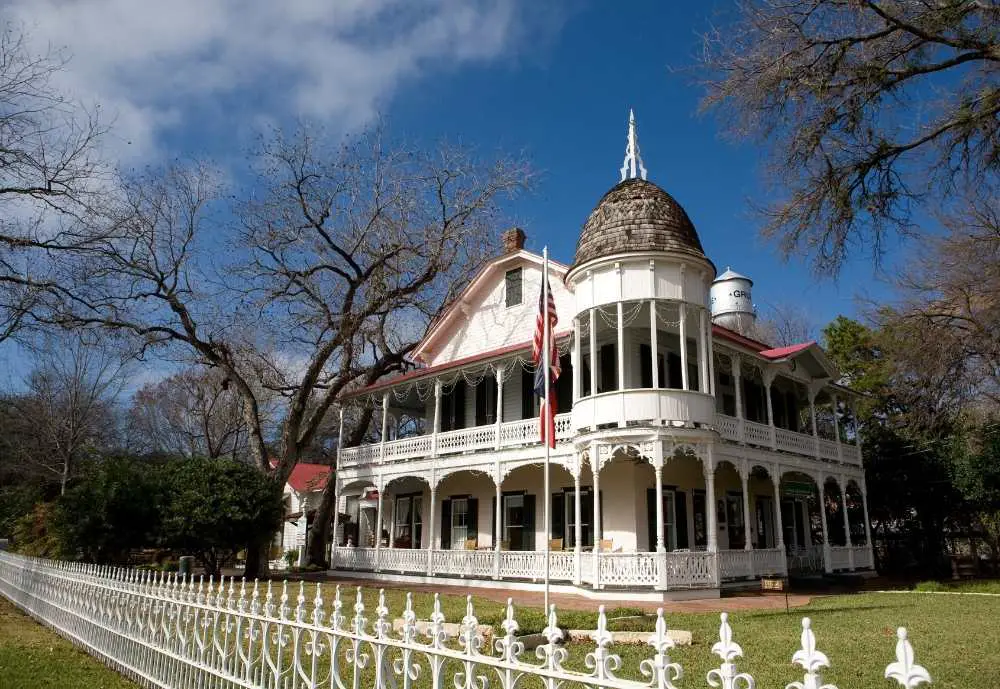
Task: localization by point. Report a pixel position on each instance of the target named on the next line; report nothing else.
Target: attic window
(512, 282)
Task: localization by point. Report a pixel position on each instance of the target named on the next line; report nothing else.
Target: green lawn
(954, 637)
(33, 656)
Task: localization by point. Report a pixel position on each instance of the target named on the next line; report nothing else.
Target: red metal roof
(309, 477)
(735, 337)
(455, 363)
(782, 352)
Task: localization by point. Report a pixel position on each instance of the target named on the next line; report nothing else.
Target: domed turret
(636, 215)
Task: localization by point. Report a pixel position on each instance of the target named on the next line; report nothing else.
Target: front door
(765, 522)
(734, 520)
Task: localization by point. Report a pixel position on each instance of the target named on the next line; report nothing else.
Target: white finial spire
(633, 158)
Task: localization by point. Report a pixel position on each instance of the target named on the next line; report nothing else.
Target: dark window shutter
(680, 505)
(645, 366)
(564, 385)
(559, 517)
(486, 401)
(651, 517)
(458, 412)
(609, 369)
(445, 524)
(674, 370)
(661, 372)
(493, 520)
(585, 375)
(527, 394)
(473, 530)
(528, 530)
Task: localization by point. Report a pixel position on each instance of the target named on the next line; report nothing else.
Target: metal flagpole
(546, 353)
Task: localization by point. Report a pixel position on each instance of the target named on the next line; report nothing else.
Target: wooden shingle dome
(636, 215)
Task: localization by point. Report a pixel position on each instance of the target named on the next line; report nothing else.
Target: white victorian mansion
(688, 455)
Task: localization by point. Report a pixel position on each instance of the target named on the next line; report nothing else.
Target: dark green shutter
(564, 385)
(486, 401)
(458, 400)
(651, 517)
(674, 371)
(645, 366)
(493, 520)
(559, 517)
(528, 530)
(609, 369)
(680, 505)
(473, 520)
(445, 524)
(527, 394)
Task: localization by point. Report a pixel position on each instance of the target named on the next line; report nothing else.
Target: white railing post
(768, 378)
(431, 536)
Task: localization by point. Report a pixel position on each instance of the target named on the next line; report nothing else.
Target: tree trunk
(257, 561)
(316, 554)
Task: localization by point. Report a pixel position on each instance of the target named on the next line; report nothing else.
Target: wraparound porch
(666, 571)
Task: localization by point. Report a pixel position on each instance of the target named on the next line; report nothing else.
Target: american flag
(547, 417)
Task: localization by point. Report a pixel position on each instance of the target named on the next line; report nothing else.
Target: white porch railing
(805, 559)
(840, 557)
(863, 557)
(787, 441)
(165, 632)
(512, 434)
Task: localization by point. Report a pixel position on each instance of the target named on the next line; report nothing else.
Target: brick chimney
(512, 240)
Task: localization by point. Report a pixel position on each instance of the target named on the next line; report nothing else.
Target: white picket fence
(174, 634)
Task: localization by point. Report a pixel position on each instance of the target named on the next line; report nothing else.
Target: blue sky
(554, 80)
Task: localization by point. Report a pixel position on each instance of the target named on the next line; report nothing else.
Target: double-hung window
(459, 523)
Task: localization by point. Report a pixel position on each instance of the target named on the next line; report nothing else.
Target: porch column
(745, 481)
(593, 357)
(391, 519)
(437, 417)
(577, 358)
(708, 468)
(847, 522)
(385, 427)
(378, 528)
(621, 363)
(868, 523)
(654, 344)
(682, 331)
(577, 527)
(303, 533)
(497, 514)
(738, 385)
(595, 464)
(336, 490)
(709, 351)
(836, 437)
(768, 378)
(704, 381)
(827, 554)
(500, 406)
(812, 419)
(779, 540)
(661, 548)
(430, 527)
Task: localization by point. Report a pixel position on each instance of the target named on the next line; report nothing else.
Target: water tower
(732, 305)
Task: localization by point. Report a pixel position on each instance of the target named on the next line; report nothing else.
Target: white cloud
(158, 66)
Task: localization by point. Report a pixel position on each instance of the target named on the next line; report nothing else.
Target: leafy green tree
(215, 507)
(112, 510)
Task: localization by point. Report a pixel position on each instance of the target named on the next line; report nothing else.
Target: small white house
(688, 455)
(302, 494)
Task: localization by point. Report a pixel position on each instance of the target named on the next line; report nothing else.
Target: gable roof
(422, 353)
(307, 477)
(810, 353)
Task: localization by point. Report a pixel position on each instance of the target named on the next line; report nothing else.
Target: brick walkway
(730, 602)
